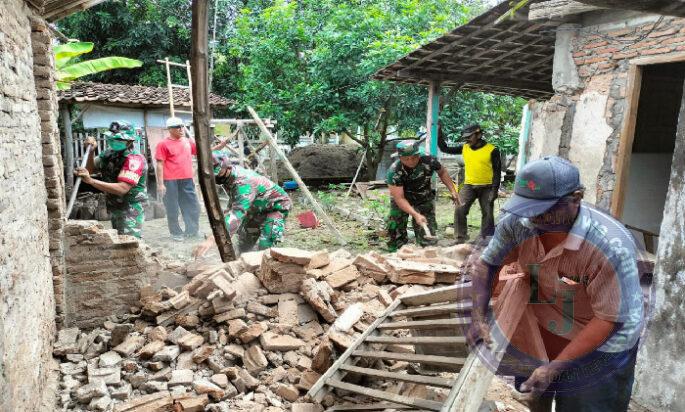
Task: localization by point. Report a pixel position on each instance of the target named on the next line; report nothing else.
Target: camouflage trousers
(266, 230)
(397, 225)
(128, 219)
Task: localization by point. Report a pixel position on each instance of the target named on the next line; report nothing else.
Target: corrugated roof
(131, 95)
(513, 57)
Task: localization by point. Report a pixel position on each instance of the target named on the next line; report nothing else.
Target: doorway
(651, 151)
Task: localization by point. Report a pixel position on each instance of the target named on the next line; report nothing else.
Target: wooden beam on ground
(386, 396)
(411, 357)
(426, 324)
(453, 293)
(381, 406)
(404, 377)
(433, 310)
(202, 130)
(416, 340)
(319, 210)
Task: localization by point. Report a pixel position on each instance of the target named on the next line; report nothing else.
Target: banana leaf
(78, 70)
(65, 52)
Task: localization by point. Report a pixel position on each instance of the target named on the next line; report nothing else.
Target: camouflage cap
(409, 148)
(220, 160)
(122, 130)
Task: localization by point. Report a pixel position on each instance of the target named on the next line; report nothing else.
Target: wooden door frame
(625, 146)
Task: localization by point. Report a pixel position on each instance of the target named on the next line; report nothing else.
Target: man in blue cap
(581, 267)
(409, 180)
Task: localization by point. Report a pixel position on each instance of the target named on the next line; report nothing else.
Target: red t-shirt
(177, 156)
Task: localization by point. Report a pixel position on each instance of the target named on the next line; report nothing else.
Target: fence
(80, 138)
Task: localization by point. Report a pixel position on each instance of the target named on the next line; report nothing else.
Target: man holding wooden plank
(581, 270)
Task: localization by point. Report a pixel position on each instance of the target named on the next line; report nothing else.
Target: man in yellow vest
(483, 171)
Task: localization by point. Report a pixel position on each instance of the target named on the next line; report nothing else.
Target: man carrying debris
(483, 170)
(123, 172)
(409, 180)
(174, 157)
(259, 207)
(580, 290)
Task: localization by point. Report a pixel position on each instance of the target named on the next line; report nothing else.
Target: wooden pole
(68, 146)
(241, 146)
(202, 130)
(273, 163)
(354, 180)
(169, 87)
(327, 220)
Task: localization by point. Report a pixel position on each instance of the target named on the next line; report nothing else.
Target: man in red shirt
(175, 180)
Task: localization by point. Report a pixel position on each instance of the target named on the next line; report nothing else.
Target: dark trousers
(181, 193)
(486, 199)
(599, 382)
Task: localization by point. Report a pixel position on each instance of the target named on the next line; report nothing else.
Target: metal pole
(74, 191)
(327, 220)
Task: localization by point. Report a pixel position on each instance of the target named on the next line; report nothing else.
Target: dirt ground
(361, 236)
(319, 161)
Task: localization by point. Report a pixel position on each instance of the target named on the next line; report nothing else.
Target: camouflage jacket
(252, 194)
(128, 166)
(416, 182)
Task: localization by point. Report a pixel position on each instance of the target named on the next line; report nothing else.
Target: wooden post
(170, 89)
(273, 163)
(68, 146)
(354, 180)
(202, 131)
(327, 220)
(241, 146)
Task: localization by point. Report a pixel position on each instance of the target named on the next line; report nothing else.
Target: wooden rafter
(513, 57)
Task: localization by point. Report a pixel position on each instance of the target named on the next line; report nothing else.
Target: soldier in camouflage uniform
(122, 177)
(409, 180)
(258, 210)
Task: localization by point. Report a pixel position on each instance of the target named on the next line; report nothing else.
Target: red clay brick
(662, 50)
(618, 33)
(680, 39)
(595, 60)
(595, 45)
(606, 50)
(662, 33)
(579, 54)
(643, 44)
(621, 56)
(680, 48)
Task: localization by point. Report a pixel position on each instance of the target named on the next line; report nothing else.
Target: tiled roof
(134, 95)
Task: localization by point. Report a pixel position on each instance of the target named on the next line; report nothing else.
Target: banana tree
(67, 71)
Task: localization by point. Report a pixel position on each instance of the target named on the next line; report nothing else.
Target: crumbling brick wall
(591, 113)
(104, 273)
(26, 290)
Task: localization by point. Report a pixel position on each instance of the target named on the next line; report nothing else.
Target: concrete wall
(660, 372)
(647, 189)
(26, 290)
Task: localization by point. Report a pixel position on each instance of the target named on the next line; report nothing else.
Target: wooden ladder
(170, 85)
(445, 309)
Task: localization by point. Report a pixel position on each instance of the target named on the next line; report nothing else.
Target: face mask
(117, 145)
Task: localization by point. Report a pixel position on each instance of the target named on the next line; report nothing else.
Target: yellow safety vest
(478, 164)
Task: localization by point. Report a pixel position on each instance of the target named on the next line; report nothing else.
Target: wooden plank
(411, 357)
(380, 406)
(453, 293)
(433, 310)
(558, 9)
(404, 377)
(417, 340)
(426, 324)
(625, 145)
(386, 396)
(317, 208)
(201, 115)
(316, 391)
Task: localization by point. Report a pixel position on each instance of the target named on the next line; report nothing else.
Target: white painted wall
(647, 188)
(589, 140)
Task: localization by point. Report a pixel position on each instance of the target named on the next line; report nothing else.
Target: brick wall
(43, 69)
(593, 112)
(26, 290)
(105, 273)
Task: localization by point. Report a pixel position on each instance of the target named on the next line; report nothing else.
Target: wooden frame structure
(513, 57)
(625, 145)
(53, 10)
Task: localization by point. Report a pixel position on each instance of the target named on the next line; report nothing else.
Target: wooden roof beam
(476, 79)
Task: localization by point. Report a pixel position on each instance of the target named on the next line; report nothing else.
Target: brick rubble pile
(250, 335)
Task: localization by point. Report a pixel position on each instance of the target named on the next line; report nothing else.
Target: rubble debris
(253, 334)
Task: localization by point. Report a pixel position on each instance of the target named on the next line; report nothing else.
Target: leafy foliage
(67, 71)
